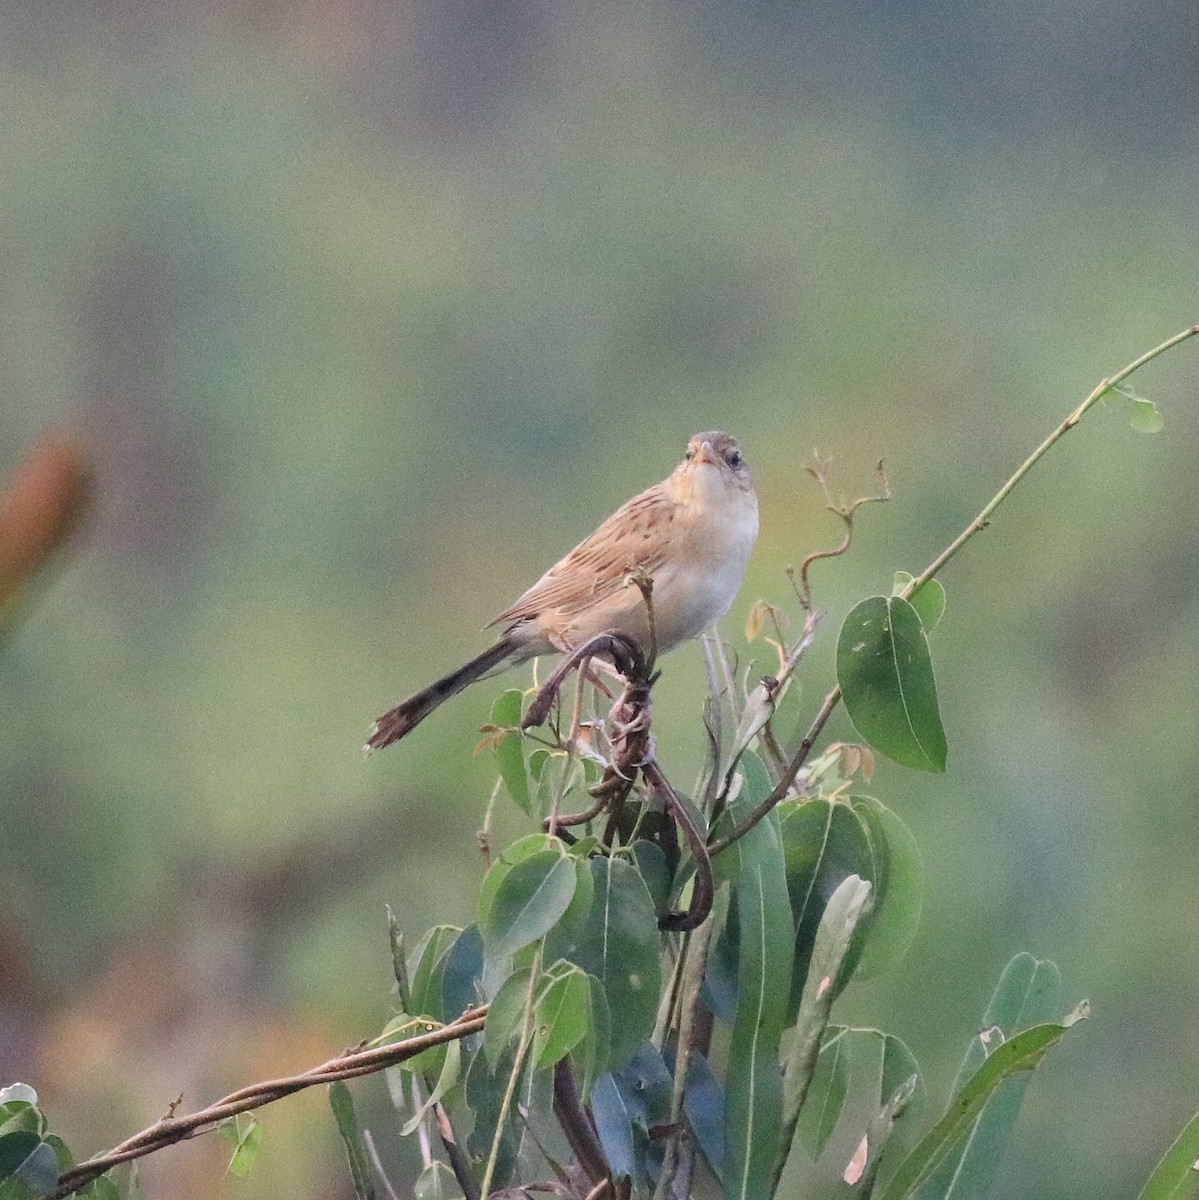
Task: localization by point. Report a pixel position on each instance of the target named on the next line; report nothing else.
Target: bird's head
(712, 469)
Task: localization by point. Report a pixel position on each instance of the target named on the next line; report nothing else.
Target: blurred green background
(369, 311)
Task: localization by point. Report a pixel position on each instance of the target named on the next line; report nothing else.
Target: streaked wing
(634, 538)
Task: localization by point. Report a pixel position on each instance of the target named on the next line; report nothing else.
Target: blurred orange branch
(45, 500)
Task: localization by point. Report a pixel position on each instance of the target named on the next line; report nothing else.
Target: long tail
(408, 714)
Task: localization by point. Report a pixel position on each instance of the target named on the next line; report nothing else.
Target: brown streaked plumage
(691, 534)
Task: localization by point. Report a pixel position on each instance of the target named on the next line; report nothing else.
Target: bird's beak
(705, 454)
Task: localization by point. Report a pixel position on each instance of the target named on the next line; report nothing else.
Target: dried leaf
(756, 621)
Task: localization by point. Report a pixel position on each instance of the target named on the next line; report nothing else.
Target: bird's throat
(703, 486)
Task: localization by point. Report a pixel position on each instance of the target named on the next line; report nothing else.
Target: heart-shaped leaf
(618, 944)
(886, 678)
(528, 903)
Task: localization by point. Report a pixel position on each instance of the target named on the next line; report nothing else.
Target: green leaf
(928, 599)
(484, 1093)
(754, 865)
(537, 760)
(40, 1170)
(824, 843)
(26, 1158)
(66, 1160)
(591, 1056)
(759, 708)
(247, 1144)
(651, 864)
(898, 1065)
(1028, 992)
(460, 982)
(562, 938)
(451, 1068)
(619, 946)
(530, 899)
(1176, 1177)
(1144, 416)
(22, 1116)
(541, 1137)
(826, 1095)
(505, 1014)
(562, 1011)
(639, 1101)
(342, 1103)
(559, 774)
(399, 965)
(510, 751)
(15, 1148)
(845, 909)
(878, 1132)
(703, 1104)
(1023, 1053)
(886, 678)
(19, 1092)
(614, 1118)
(897, 1086)
(437, 1182)
(426, 970)
(898, 887)
(518, 851)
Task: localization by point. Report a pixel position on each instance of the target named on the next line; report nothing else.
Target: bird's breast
(698, 583)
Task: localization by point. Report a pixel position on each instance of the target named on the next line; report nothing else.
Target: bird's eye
(733, 458)
(690, 453)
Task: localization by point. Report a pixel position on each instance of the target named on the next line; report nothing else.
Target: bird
(691, 535)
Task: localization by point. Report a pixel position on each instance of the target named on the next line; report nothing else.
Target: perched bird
(691, 535)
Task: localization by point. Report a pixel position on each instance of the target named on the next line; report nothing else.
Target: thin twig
(820, 472)
(693, 978)
(776, 757)
(1102, 388)
(669, 998)
(979, 523)
(422, 1129)
(522, 1048)
(729, 682)
(484, 834)
(458, 1160)
(645, 585)
(784, 785)
(626, 657)
(377, 1163)
(553, 824)
(704, 886)
(714, 725)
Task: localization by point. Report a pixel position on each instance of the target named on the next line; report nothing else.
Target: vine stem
(1102, 388)
(686, 1048)
(976, 526)
(177, 1129)
(526, 1039)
